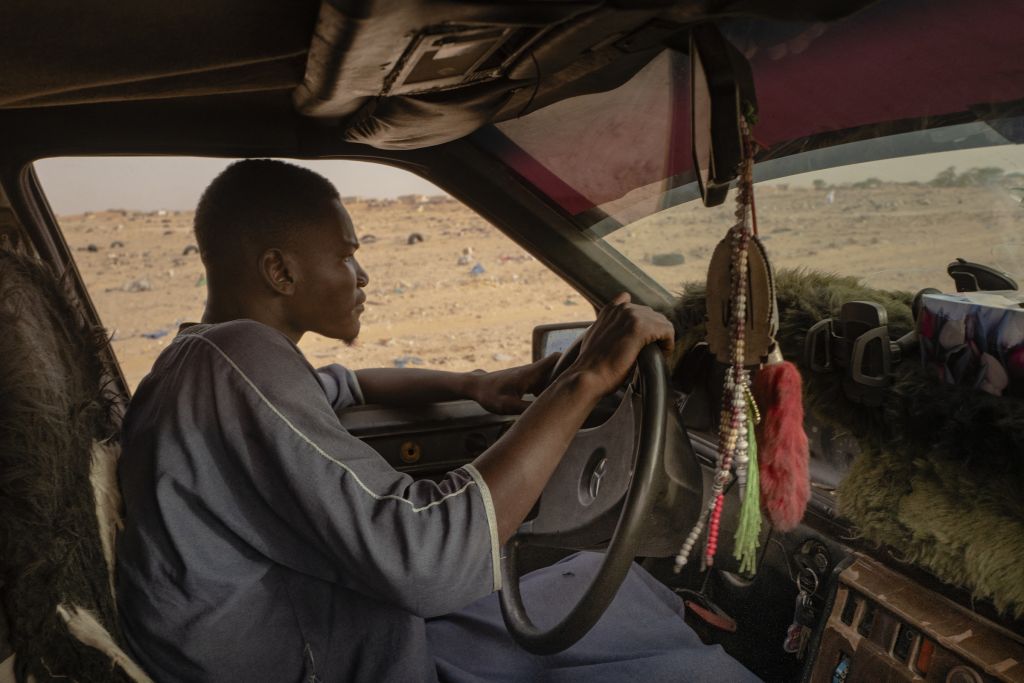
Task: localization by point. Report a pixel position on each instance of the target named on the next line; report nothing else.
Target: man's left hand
(502, 391)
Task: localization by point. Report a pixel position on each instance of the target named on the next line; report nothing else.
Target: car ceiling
(393, 74)
(343, 78)
(57, 52)
(889, 69)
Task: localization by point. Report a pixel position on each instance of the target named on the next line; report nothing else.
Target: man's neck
(221, 309)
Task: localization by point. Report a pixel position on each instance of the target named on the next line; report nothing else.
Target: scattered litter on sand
(140, 285)
(672, 258)
(155, 334)
(403, 361)
(477, 270)
(443, 311)
(515, 258)
(464, 318)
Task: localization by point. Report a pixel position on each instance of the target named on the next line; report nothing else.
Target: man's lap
(642, 635)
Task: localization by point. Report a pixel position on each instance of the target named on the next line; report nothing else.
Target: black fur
(53, 404)
(954, 451)
(918, 413)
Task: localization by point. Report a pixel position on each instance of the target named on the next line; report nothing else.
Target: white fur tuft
(7, 671)
(84, 626)
(103, 476)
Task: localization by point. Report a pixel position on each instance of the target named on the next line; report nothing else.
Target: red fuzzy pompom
(782, 449)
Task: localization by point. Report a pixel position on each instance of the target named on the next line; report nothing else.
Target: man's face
(328, 296)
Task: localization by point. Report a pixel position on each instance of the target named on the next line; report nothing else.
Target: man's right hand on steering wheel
(631, 461)
(610, 347)
(517, 467)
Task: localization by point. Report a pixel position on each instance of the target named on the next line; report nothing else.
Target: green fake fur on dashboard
(941, 468)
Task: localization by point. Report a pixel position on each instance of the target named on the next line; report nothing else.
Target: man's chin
(348, 337)
(347, 334)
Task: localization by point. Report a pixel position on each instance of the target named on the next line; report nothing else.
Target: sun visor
(415, 121)
(414, 74)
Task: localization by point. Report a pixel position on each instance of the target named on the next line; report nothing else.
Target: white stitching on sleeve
(492, 524)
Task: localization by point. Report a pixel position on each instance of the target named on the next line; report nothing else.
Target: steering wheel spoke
(592, 478)
(592, 483)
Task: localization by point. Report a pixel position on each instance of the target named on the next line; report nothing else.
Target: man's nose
(362, 279)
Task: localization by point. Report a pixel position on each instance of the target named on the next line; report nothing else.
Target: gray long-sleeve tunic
(263, 542)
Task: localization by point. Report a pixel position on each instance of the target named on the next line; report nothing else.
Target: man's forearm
(403, 386)
(518, 466)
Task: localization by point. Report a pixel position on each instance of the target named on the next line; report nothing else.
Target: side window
(447, 290)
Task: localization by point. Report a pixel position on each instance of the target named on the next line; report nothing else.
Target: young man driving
(263, 542)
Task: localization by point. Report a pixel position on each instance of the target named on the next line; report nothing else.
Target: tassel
(749, 530)
(785, 482)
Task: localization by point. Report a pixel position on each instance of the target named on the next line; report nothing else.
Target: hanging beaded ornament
(740, 333)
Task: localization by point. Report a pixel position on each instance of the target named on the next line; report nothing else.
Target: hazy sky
(76, 184)
(921, 167)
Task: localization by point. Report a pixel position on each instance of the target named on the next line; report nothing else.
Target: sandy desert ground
(895, 236)
(427, 308)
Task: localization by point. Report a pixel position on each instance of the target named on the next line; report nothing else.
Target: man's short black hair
(259, 202)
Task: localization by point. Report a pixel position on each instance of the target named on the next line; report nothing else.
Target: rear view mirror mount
(721, 92)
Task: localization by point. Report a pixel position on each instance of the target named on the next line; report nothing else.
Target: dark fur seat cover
(941, 467)
(54, 413)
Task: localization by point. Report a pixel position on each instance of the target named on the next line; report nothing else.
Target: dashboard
(885, 627)
(875, 624)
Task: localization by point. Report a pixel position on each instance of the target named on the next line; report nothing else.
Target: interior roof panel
(118, 44)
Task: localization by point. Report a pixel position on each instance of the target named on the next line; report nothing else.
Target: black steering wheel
(612, 465)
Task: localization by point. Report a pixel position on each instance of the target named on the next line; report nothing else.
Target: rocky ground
(895, 236)
(466, 296)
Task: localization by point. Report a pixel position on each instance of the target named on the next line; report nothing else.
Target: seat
(58, 491)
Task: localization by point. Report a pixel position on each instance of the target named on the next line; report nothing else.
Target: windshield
(896, 223)
(889, 146)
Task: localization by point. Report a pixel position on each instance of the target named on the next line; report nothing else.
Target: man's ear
(277, 271)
